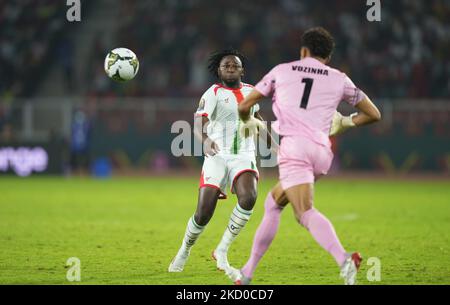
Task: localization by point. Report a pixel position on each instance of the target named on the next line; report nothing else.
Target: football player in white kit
(229, 157)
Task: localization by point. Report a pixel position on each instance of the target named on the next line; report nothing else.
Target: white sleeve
(207, 104)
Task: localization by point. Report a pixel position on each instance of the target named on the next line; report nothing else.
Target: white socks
(238, 218)
(193, 231)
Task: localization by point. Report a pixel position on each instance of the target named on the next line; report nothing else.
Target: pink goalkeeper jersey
(305, 94)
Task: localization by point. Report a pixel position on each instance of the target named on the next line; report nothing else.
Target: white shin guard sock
(238, 218)
(193, 231)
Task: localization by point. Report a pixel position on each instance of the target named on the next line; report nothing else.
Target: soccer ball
(121, 64)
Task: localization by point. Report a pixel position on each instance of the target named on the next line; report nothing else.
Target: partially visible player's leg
(301, 196)
(245, 187)
(301, 163)
(212, 187)
(273, 206)
(207, 201)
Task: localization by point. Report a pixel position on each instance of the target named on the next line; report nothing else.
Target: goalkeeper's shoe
(178, 262)
(237, 277)
(350, 268)
(221, 259)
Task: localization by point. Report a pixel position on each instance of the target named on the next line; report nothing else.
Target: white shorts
(222, 169)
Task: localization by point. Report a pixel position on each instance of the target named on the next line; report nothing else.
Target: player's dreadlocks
(215, 58)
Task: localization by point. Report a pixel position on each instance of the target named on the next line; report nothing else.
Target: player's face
(230, 69)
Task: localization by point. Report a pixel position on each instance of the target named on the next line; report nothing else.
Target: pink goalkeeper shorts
(301, 161)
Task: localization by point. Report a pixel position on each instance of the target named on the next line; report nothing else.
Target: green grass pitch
(126, 231)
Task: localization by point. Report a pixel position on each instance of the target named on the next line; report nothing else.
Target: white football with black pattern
(121, 64)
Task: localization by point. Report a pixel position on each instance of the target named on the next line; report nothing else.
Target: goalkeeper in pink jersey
(305, 96)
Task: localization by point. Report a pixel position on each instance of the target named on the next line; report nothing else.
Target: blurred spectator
(80, 143)
(66, 61)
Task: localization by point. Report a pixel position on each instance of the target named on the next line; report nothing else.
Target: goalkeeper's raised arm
(247, 104)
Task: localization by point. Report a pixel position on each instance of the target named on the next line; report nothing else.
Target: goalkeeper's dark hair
(216, 57)
(319, 42)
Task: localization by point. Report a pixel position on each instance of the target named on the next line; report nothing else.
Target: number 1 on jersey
(306, 92)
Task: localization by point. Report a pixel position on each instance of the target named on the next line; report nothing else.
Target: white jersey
(220, 105)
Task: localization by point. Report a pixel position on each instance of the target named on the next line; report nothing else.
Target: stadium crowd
(407, 54)
(28, 30)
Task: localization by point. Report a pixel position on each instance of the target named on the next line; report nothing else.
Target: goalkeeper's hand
(250, 127)
(341, 123)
